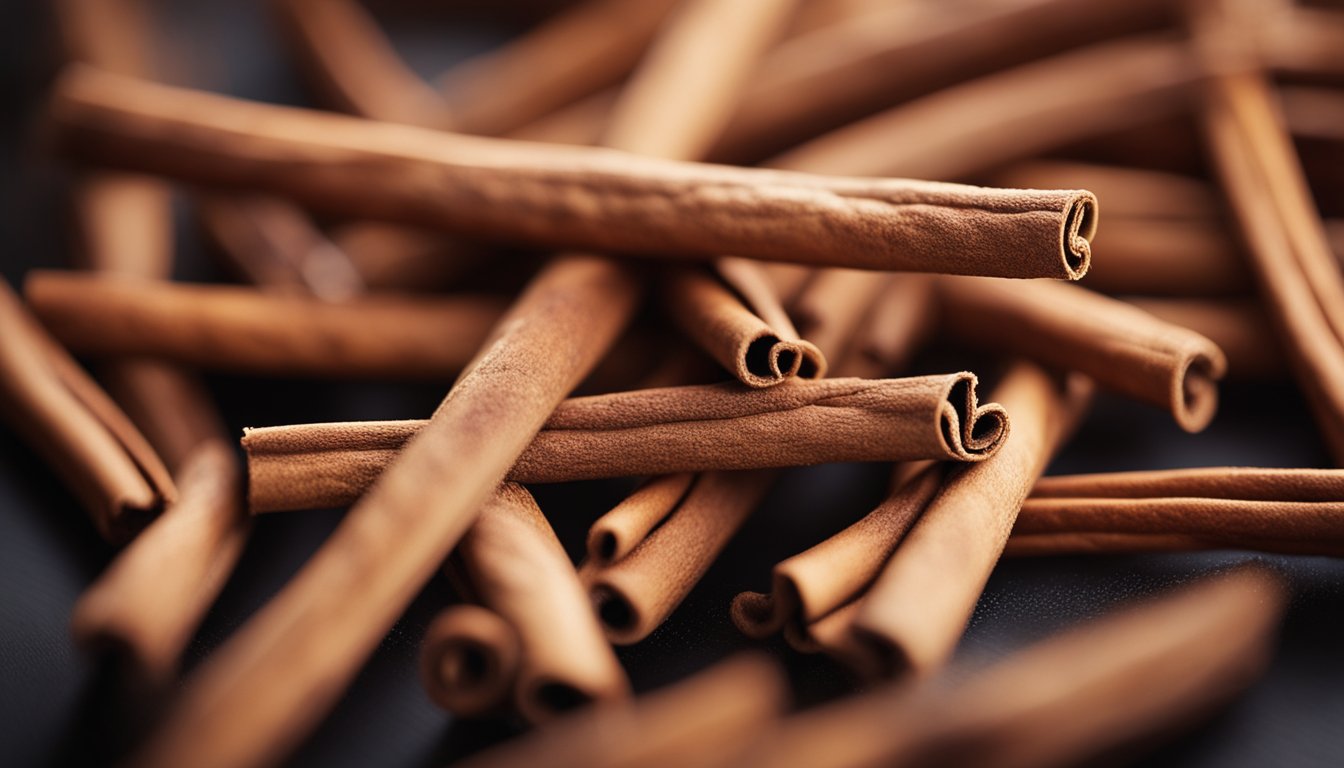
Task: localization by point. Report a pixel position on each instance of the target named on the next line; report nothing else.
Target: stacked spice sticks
(704, 327)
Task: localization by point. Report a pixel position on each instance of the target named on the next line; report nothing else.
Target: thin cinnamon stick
(393, 258)
(1117, 681)
(1259, 172)
(1249, 483)
(277, 246)
(902, 320)
(659, 431)
(809, 586)
(125, 223)
(1013, 114)
(514, 564)
(469, 660)
(691, 724)
(579, 51)
(238, 329)
(912, 616)
(571, 196)
(616, 534)
(636, 593)
(1119, 345)
(832, 306)
(343, 50)
(75, 426)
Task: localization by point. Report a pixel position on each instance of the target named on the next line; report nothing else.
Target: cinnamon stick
(75, 426)
(579, 51)
(1130, 193)
(239, 329)
(570, 196)
(513, 564)
(833, 305)
(902, 320)
(659, 431)
(912, 616)
(1013, 114)
(393, 258)
(469, 660)
(1249, 483)
(1113, 682)
(1119, 345)
(342, 49)
(636, 593)
(811, 585)
(693, 723)
(616, 533)
(1299, 279)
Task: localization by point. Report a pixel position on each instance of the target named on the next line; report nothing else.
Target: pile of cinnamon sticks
(875, 267)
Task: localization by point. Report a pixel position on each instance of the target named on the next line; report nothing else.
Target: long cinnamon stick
(66, 417)
(636, 593)
(1259, 171)
(1249, 483)
(222, 327)
(1113, 682)
(1119, 345)
(1013, 114)
(659, 431)
(469, 660)
(696, 722)
(911, 617)
(571, 196)
(513, 563)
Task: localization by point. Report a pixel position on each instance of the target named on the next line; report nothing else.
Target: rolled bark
(1013, 115)
(1249, 483)
(659, 431)
(902, 320)
(1113, 683)
(513, 564)
(833, 305)
(910, 619)
(243, 330)
(809, 586)
(1121, 346)
(72, 423)
(571, 196)
(691, 724)
(617, 533)
(469, 660)
(636, 593)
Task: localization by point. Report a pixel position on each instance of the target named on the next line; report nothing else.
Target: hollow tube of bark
(241, 329)
(1113, 682)
(514, 565)
(469, 660)
(912, 616)
(571, 196)
(635, 594)
(1121, 346)
(659, 431)
(77, 428)
(616, 534)
(693, 723)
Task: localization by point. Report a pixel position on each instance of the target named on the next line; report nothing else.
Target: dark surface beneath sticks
(55, 703)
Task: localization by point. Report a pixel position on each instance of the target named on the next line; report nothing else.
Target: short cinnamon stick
(1113, 682)
(636, 593)
(659, 431)
(469, 660)
(912, 616)
(571, 196)
(238, 329)
(75, 426)
(1119, 345)
(513, 563)
(696, 722)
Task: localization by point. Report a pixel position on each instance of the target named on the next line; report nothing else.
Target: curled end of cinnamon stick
(767, 360)
(970, 431)
(758, 615)
(1080, 225)
(469, 660)
(1194, 388)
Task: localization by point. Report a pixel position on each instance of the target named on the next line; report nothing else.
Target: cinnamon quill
(469, 660)
(659, 431)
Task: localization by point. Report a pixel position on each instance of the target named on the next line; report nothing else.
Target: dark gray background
(58, 707)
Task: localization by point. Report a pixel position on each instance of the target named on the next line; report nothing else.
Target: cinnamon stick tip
(970, 431)
(619, 616)
(767, 360)
(1194, 389)
(755, 614)
(469, 659)
(1077, 231)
